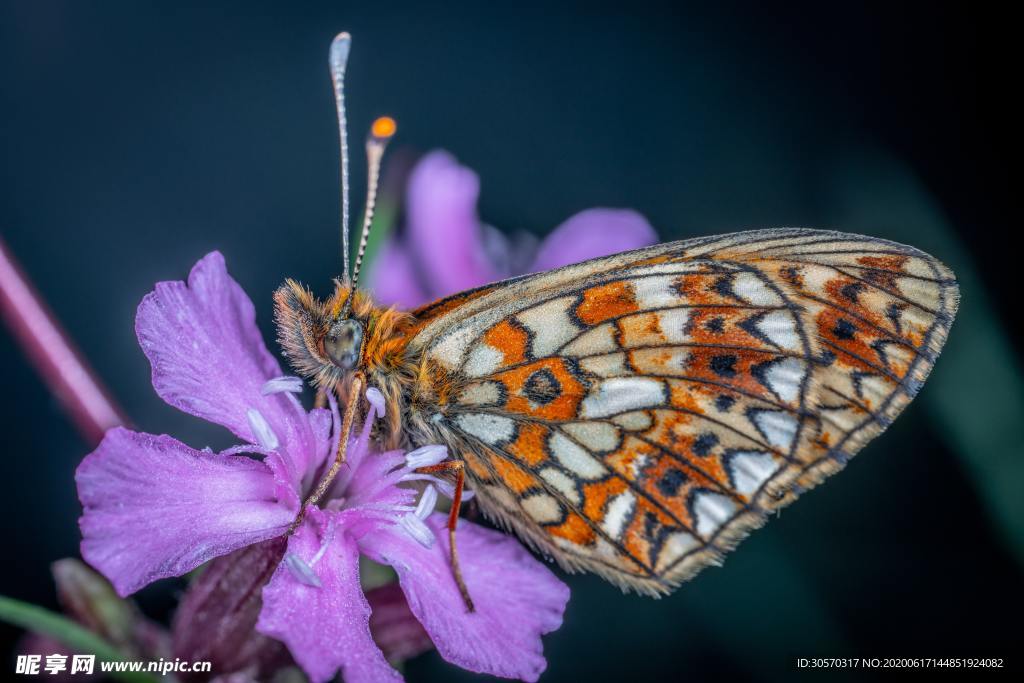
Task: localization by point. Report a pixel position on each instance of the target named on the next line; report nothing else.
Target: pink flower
(155, 508)
(446, 249)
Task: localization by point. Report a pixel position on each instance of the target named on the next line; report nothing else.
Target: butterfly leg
(456, 467)
(355, 393)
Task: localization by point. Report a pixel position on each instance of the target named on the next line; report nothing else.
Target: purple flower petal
(374, 483)
(443, 229)
(326, 627)
(393, 279)
(593, 233)
(209, 359)
(517, 598)
(154, 508)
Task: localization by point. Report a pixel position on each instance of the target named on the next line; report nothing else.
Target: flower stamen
(377, 400)
(415, 527)
(261, 430)
(426, 456)
(427, 502)
(328, 539)
(288, 383)
(302, 572)
(446, 488)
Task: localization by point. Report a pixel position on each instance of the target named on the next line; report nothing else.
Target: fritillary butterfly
(637, 415)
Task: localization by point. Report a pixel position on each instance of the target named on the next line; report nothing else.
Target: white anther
(427, 502)
(415, 527)
(278, 384)
(302, 572)
(264, 435)
(327, 540)
(448, 489)
(376, 400)
(426, 456)
(445, 487)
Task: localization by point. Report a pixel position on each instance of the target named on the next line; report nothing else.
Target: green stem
(60, 628)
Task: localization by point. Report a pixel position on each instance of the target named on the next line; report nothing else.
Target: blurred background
(138, 136)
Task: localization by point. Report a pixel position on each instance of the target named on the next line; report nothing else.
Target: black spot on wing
(851, 291)
(894, 313)
(844, 330)
(716, 325)
(670, 482)
(542, 387)
(723, 365)
(704, 443)
(723, 287)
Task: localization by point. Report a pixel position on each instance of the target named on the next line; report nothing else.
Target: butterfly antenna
(340, 47)
(381, 132)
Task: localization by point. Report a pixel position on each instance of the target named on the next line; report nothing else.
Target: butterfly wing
(637, 415)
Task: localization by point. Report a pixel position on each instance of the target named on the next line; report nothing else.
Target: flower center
(408, 518)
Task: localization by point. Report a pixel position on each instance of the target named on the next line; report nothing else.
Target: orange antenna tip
(383, 128)
(380, 133)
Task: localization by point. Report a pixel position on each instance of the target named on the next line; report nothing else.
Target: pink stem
(53, 354)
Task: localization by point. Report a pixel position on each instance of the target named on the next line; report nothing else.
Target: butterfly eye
(344, 342)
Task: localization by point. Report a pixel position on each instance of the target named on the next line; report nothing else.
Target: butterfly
(637, 415)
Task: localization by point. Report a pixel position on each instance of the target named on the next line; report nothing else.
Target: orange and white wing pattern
(637, 415)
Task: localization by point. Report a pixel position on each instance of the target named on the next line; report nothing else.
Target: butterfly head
(323, 339)
(328, 339)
